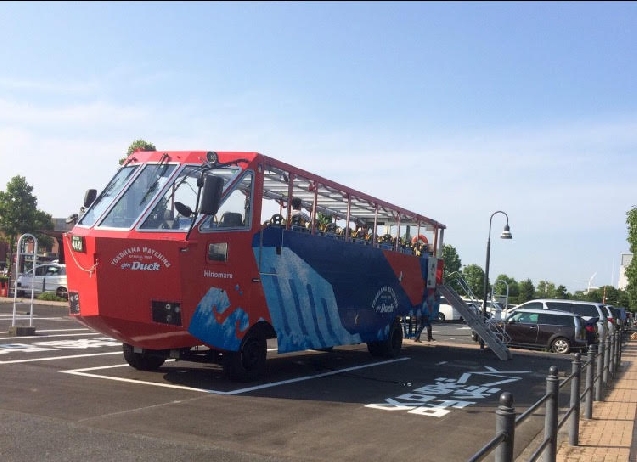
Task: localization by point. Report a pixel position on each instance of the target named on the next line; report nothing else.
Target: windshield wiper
(153, 186)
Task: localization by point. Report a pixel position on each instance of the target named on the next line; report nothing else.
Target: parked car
(544, 329)
(613, 317)
(620, 316)
(49, 277)
(589, 311)
(446, 312)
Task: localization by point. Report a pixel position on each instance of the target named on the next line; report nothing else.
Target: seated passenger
(298, 217)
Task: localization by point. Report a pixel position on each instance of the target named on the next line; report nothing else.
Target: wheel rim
(561, 346)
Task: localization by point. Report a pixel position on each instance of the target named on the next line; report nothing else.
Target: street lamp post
(506, 234)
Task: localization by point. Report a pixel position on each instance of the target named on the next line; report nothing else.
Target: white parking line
(22, 317)
(65, 330)
(50, 336)
(83, 373)
(55, 358)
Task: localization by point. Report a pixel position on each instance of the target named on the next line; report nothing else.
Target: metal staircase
(494, 337)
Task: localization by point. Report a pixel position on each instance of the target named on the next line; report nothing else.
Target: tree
(452, 265)
(623, 299)
(561, 292)
(610, 295)
(527, 291)
(545, 289)
(631, 270)
(474, 275)
(19, 215)
(500, 288)
(138, 145)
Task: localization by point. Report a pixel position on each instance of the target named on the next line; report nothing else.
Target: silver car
(49, 277)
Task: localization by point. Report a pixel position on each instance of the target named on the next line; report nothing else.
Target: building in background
(624, 261)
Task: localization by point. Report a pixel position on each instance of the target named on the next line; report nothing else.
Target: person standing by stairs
(425, 323)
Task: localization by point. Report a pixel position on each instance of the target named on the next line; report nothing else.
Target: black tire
(61, 293)
(247, 364)
(375, 349)
(146, 361)
(391, 346)
(441, 317)
(560, 345)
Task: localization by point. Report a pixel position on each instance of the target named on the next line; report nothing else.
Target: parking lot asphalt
(66, 394)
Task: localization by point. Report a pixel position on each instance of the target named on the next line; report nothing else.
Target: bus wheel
(145, 361)
(390, 347)
(248, 363)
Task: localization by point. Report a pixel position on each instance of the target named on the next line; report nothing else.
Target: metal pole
(505, 423)
(506, 234)
(550, 421)
(486, 281)
(618, 349)
(590, 372)
(600, 368)
(611, 362)
(606, 360)
(573, 435)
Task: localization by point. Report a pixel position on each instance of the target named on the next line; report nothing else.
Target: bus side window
(235, 210)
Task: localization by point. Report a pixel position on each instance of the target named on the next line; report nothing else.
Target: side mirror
(89, 197)
(211, 194)
(72, 219)
(183, 209)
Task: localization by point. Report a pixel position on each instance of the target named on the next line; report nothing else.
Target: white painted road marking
(55, 358)
(83, 372)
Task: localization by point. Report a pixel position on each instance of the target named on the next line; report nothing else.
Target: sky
(452, 110)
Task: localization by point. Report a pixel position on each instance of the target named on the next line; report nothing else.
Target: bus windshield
(139, 194)
(108, 195)
(182, 189)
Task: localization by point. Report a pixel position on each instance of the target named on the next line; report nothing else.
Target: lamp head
(506, 233)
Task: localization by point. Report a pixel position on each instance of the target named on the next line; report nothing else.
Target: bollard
(505, 423)
(590, 373)
(550, 421)
(599, 385)
(618, 351)
(606, 377)
(573, 436)
(611, 362)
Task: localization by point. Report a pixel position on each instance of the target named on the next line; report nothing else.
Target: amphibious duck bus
(191, 255)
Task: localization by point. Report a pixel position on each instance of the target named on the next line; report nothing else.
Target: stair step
(494, 339)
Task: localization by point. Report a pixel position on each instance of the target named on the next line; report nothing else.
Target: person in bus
(425, 323)
(362, 232)
(299, 217)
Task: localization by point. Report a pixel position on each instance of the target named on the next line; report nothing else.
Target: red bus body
(169, 257)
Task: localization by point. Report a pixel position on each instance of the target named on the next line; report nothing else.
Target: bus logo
(385, 301)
